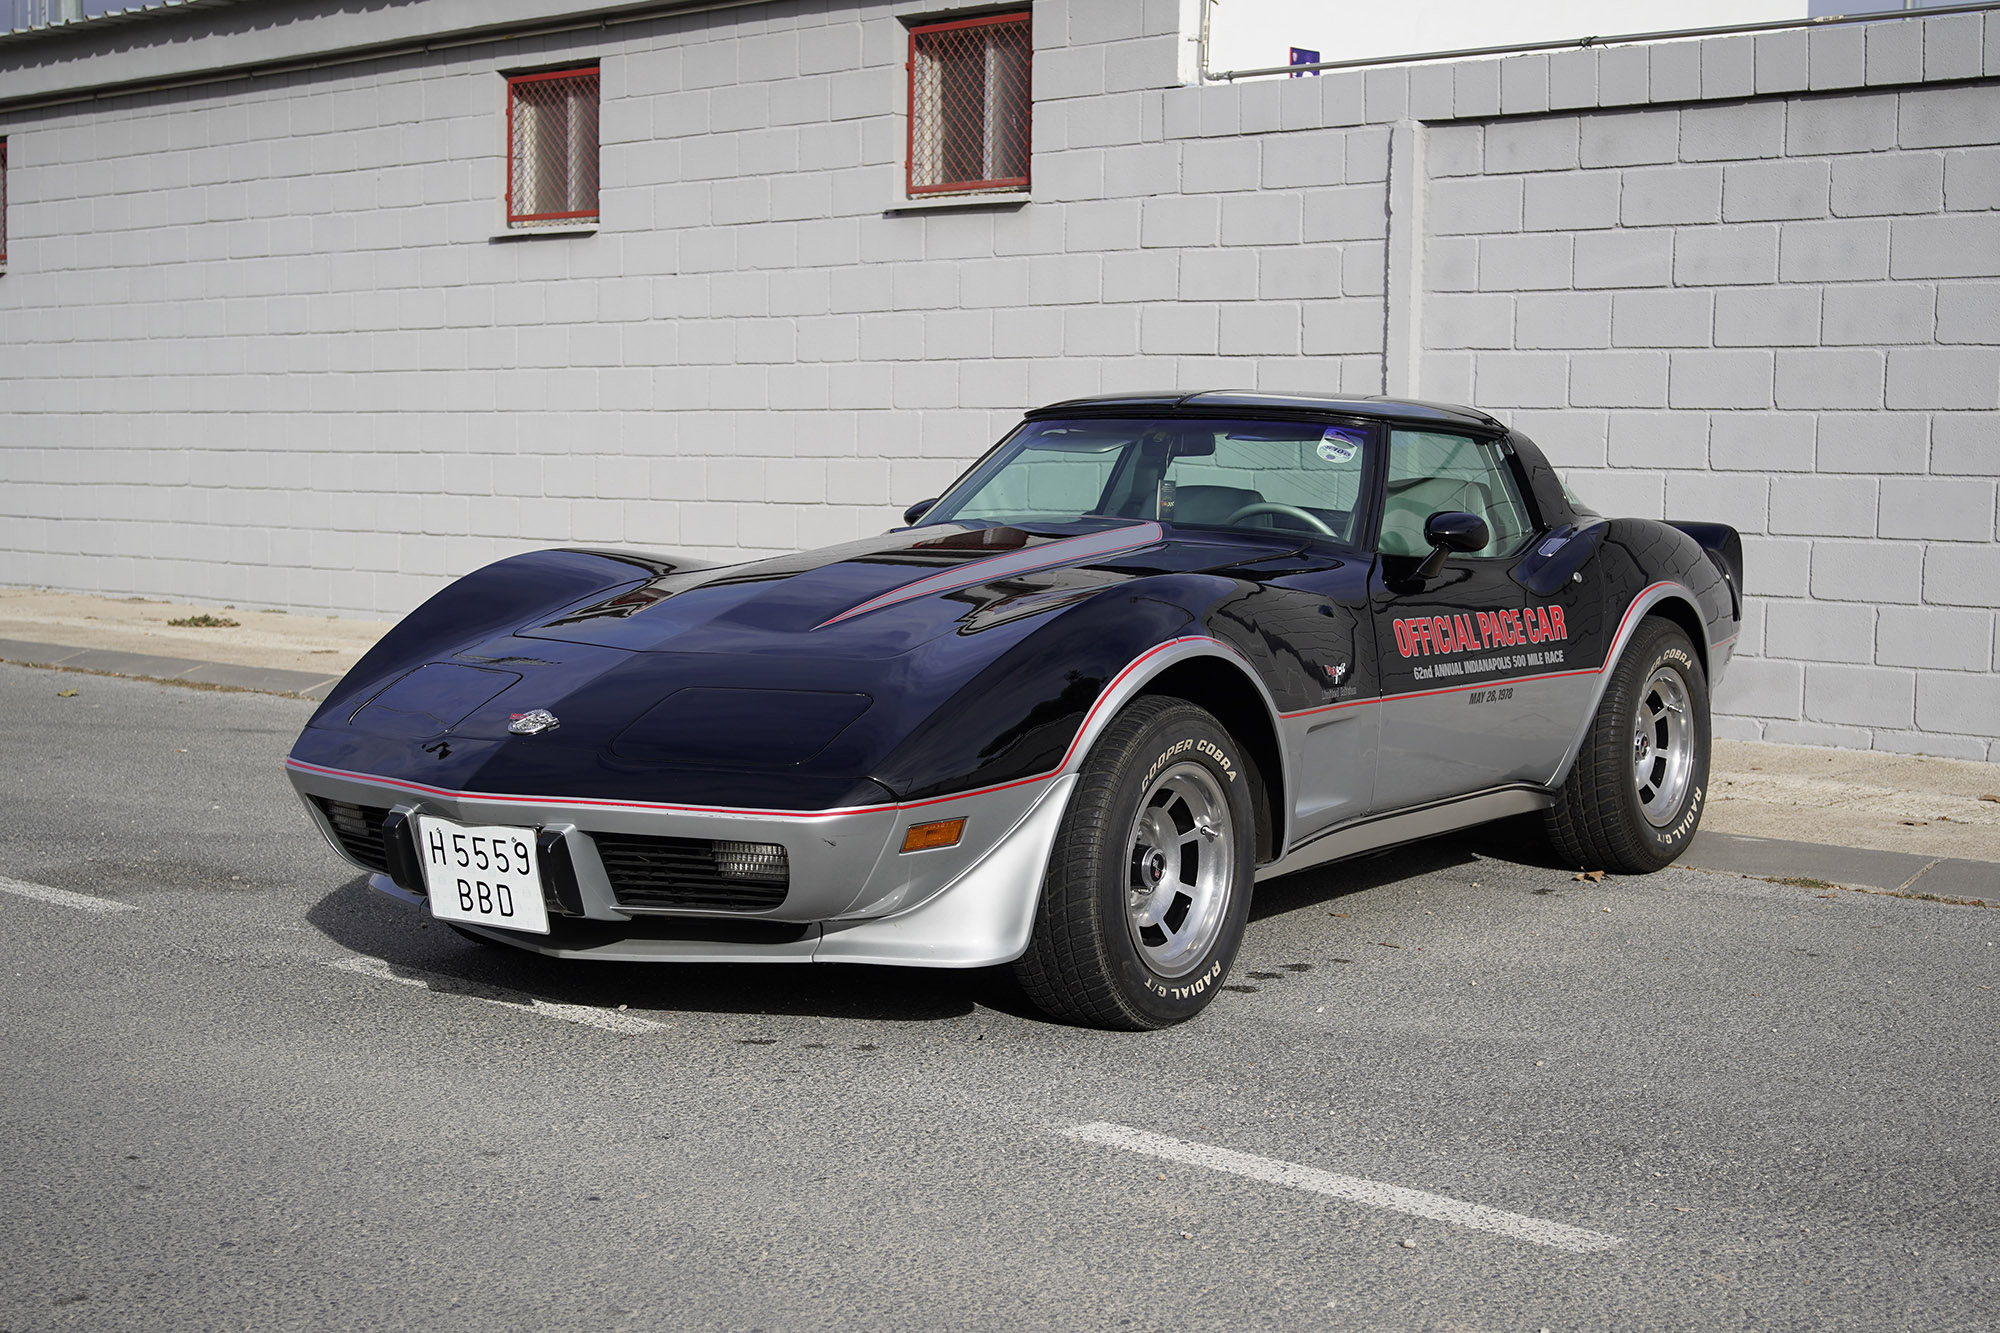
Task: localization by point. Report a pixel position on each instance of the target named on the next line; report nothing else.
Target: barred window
(552, 148)
(969, 105)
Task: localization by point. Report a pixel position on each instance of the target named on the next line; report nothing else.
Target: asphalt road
(264, 1097)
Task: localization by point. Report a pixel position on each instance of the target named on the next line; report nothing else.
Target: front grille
(359, 828)
(693, 873)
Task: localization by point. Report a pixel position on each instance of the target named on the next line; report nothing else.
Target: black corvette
(1148, 650)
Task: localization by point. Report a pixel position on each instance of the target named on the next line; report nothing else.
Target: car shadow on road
(363, 921)
(1517, 841)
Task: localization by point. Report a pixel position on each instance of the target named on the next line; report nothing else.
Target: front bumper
(853, 894)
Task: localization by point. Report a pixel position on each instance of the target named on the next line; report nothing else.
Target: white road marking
(83, 902)
(1416, 1203)
(608, 1019)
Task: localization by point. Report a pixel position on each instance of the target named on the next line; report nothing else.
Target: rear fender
(1665, 598)
(1725, 550)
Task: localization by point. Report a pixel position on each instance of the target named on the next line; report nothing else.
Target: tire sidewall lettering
(1188, 990)
(1675, 836)
(1224, 763)
(1683, 827)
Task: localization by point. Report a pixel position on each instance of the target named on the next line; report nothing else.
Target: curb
(169, 670)
(1903, 873)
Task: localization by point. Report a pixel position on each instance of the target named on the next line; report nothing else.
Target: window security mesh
(552, 147)
(970, 105)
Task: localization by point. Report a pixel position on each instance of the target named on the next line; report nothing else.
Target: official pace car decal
(1452, 636)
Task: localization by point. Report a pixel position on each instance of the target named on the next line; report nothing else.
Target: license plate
(482, 874)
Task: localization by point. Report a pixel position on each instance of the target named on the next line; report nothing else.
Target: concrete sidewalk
(172, 670)
(1887, 823)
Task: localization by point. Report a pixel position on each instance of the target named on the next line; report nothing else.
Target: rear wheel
(1635, 795)
(1148, 884)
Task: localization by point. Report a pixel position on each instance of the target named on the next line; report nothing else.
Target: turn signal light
(924, 837)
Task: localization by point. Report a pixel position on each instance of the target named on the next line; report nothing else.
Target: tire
(1148, 884)
(1635, 795)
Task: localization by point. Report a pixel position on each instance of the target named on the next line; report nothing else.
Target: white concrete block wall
(277, 316)
(259, 344)
(1775, 314)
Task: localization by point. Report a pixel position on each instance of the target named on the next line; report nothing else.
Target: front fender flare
(986, 914)
(1147, 667)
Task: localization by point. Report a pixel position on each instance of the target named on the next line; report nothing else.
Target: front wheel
(1148, 883)
(1635, 795)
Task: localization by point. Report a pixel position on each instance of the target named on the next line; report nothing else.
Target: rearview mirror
(1451, 530)
(922, 507)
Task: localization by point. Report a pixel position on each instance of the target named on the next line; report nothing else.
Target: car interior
(1275, 475)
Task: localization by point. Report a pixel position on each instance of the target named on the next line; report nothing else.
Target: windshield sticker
(1339, 444)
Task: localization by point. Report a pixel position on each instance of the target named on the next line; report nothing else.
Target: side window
(552, 148)
(970, 105)
(1430, 473)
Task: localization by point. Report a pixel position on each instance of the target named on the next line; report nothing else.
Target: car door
(1477, 689)
(1334, 738)
(1303, 616)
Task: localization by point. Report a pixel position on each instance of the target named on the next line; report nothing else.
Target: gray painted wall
(259, 344)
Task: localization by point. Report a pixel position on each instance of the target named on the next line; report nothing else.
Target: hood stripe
(1067, 551)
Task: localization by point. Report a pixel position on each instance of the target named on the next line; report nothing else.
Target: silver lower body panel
(865, 902)
(1390, 830)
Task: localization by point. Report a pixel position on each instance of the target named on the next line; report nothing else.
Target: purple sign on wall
(1301, 56)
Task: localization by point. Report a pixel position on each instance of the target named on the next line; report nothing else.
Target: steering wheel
(1289, 511)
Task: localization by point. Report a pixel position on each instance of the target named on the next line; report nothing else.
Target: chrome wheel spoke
(1181, 868)
(1663, 745)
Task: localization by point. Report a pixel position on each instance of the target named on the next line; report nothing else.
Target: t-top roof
(1361, 405)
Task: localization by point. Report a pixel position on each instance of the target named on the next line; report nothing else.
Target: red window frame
(516, 83)
(918, 33)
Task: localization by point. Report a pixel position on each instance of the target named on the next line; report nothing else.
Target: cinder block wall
(259, 344)
(1778, 312)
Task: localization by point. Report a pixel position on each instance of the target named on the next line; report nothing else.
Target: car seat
(1411, 502)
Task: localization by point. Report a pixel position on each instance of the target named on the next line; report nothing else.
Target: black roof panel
(1362, 405)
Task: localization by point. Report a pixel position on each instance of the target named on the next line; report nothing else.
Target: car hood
(779, 682)
(887, 595)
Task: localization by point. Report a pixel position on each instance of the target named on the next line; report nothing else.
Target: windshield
(1273, 475)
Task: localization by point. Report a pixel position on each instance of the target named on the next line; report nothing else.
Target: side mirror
(918, 510)
(1451, 530)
